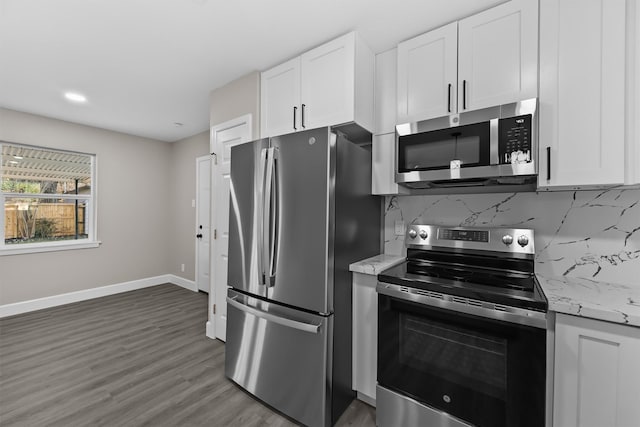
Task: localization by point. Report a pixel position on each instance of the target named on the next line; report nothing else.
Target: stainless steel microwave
(492, 147)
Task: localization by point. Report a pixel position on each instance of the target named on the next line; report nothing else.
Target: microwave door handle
(261, 214)
(274, 211)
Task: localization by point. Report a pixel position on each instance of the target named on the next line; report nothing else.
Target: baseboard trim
(366, 399)
(211, 333)
(7, 310)
(181, 281)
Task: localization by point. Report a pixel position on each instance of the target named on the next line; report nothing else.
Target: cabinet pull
(295, 110)
(449, 98)
(548, 163)
(464, 94)
(303, 115)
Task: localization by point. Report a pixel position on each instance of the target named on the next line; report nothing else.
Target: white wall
(133, 202)
(592, 234)
(235, 99)
(182, 186)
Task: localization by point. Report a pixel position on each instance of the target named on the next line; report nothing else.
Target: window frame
(56, 245)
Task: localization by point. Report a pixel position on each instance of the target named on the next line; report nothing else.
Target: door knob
(199, 235)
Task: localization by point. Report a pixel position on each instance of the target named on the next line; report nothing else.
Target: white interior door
(223, 137)
(203, 223)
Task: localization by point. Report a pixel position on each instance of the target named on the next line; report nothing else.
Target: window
(48, 197)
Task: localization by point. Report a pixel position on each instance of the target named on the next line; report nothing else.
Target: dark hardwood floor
(139, 358)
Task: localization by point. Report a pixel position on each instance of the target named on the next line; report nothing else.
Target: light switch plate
(399, 228)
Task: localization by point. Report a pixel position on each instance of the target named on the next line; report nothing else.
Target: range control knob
(507, 239)
(523, 240)
(423, 234)
(413, 233)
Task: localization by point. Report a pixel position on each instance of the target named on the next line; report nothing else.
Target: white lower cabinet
(365, 336)
(596, 374)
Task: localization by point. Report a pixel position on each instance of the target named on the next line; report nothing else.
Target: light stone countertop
(582, 297)
(589, 298)
(375, 265)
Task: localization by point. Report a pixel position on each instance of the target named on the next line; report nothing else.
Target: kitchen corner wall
(182, 186)
(591, 234)
(235, 99)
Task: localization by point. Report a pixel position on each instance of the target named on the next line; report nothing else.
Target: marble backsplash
(589, 234)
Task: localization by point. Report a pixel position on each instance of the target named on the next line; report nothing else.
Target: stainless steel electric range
(462, 331)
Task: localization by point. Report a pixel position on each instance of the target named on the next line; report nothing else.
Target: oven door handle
(516, 315)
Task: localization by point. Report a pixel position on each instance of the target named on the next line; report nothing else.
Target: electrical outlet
(193, 203)
(399, 228)
(182, 267)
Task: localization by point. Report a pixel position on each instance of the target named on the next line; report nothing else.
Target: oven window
(464, 358)
(484, 371)
(436, 149)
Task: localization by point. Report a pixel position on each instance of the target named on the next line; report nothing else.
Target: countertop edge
(582, 297)
(376, 264)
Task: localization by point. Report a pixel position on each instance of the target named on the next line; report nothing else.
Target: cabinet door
(328, 83)
(383, 166)
(582, 92)
(385, 91)
(596, 374)
(280, 99)
(427, 75)
(498, 55)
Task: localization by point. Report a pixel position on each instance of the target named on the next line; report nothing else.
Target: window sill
(51, 247)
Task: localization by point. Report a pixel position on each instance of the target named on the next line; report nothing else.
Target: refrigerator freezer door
(246, 203)
(305, 175)
(280, 355)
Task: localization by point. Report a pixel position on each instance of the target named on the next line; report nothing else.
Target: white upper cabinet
(329, 85)
(498, 55)
(488, 59)
(582, 93)
(383, 145)
(280, 97)
(427, 75)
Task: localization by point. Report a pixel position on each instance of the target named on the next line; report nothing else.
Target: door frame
(214, 149)
(198, 219)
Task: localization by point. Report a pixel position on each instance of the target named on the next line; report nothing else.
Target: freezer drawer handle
(306, 327)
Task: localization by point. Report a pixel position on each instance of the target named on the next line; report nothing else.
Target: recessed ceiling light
(75, 97)
(18, 157)
(13, 162)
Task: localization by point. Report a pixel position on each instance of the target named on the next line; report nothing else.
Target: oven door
(483, 371)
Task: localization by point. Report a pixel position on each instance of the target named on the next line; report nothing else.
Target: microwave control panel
(515, 139)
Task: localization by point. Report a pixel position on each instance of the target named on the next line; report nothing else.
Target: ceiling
(145, 65)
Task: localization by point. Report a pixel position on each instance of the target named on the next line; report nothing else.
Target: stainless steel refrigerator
(300, 213)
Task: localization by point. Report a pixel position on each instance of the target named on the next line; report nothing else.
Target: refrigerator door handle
(261, 214)
(274, 220)
(301, 326)
(265, 250)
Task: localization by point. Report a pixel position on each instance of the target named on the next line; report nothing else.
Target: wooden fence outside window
(62, 215)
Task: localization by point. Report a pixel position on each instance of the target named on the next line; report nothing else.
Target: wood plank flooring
(139, 358)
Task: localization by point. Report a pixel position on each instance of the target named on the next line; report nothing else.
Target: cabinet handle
(464, 94)
(449, 98)
(295, 110)
(303, 115)
(548, 163)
